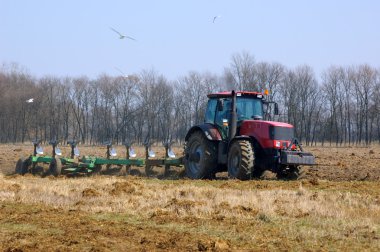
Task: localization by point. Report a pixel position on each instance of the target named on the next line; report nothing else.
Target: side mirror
(220, 104)
(276, 108)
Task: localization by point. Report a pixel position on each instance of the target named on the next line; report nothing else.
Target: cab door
(222, 116)
(210, 111)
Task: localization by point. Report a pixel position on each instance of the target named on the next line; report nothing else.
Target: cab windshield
(248, 108)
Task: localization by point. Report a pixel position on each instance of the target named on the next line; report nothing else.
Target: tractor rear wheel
(241, 159)
(21, 166)
(200, 157)
(55, 167)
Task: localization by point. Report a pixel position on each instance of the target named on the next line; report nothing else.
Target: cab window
(223, 114)
(210, 111)
(248, 108)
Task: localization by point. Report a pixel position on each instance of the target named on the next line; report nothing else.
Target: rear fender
(209, 130)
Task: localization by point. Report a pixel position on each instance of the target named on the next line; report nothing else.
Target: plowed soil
(335, 207)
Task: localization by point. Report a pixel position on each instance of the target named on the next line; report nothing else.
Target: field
(335, 207)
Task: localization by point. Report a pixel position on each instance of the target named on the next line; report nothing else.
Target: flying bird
(122, 36)
(213, 20)
(123, 74)
(30, 100)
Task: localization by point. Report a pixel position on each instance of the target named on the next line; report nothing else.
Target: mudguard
(210, 131)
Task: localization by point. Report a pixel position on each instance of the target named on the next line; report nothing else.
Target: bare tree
(241, 75)
(300, 93)
(332, 87)
(269, 76)
(364, 81)
(344, 109)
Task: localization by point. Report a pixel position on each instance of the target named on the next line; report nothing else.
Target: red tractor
(235, 138)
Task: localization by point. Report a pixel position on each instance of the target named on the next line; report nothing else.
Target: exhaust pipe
(233, 119)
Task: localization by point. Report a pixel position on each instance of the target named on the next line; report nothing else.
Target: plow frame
(31, 163)
(93, 164)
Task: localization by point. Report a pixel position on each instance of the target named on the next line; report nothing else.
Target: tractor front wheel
(241, 159)
(293, 173)
(200, 157)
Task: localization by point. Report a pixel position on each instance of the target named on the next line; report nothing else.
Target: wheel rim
(195, 149)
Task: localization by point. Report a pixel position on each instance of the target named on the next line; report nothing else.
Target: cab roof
(229, 93)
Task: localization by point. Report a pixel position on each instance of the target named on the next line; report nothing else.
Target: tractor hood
(258, 124)
(272, 123)
(268, 133)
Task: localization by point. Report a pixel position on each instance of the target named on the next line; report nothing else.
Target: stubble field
(335, 207)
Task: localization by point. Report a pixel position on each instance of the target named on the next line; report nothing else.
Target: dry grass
(139, 196)
(336, 208)
(346, 215)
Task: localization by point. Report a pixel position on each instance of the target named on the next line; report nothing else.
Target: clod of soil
(89, 192)
(122, 187)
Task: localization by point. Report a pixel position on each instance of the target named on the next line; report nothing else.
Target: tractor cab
(249, 106)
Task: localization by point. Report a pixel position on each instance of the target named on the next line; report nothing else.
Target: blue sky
(174, 37)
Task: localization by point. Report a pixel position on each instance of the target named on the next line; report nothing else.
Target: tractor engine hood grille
(281, 133)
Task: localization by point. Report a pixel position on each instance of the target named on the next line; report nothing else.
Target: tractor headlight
(277, 144)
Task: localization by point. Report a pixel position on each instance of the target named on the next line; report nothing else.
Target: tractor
(235, 137)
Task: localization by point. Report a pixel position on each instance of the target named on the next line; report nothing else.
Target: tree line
(340, 107)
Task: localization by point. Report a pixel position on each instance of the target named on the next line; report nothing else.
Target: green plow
(92, 164)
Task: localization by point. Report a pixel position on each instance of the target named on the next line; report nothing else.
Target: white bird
(30, 100)
(123, 74)
(213, 20)
(122, 36)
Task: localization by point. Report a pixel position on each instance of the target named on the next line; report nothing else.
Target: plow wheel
(127, 169)
(148, 170)
(241, 159)
(55, 167)
(21, 166)
(167, 170)
(96, 170)
(37, 170)
(200, 157)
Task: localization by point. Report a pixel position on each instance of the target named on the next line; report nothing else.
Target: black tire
(293, 173)
(37, 170)
(21, 166)
(55, 167)
(200, 157)
(241, 159)
(301, 172)
(148, 170)
(97, 169)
